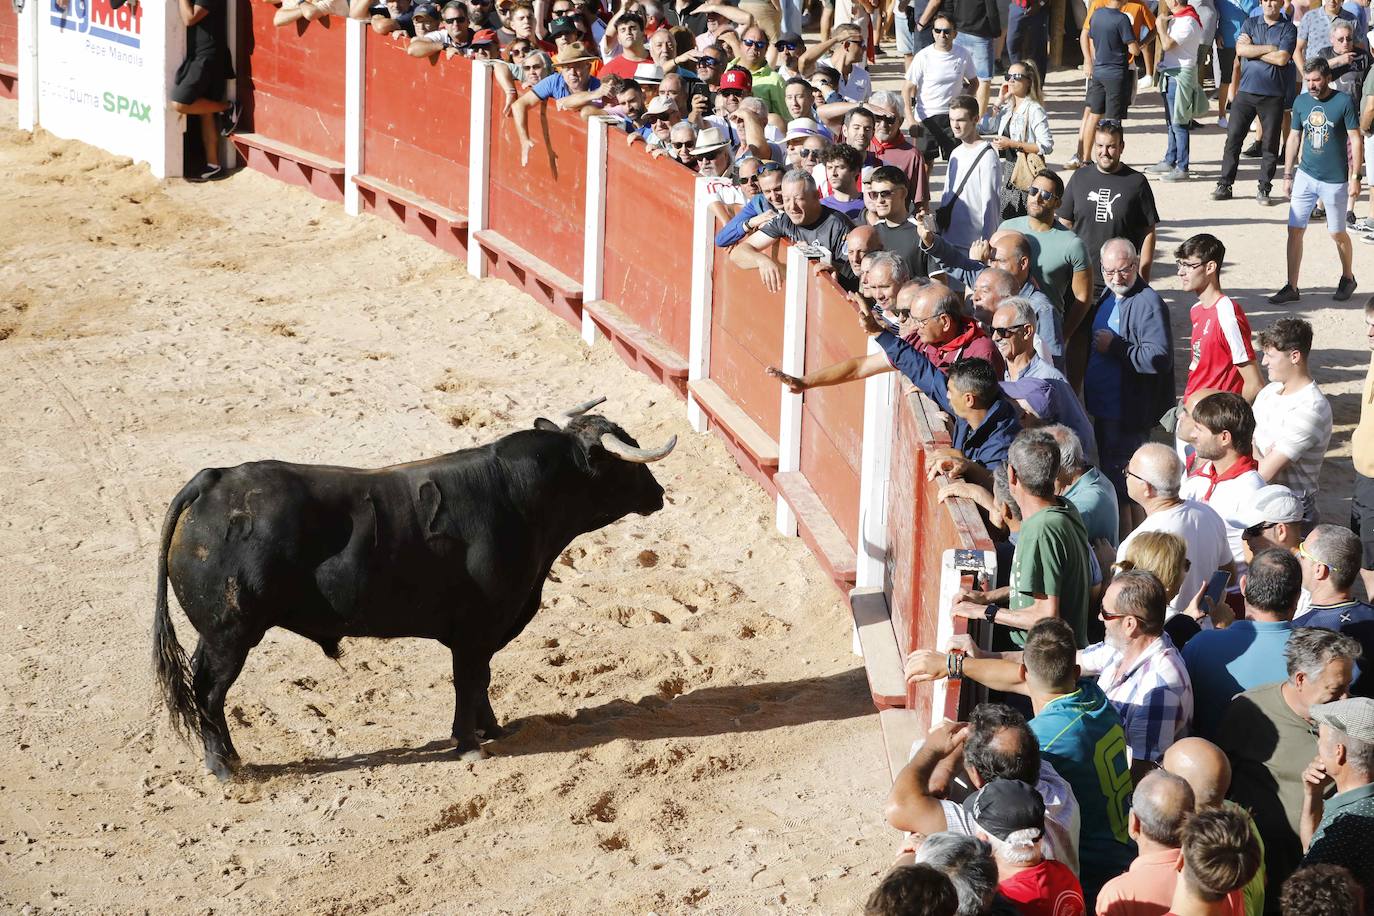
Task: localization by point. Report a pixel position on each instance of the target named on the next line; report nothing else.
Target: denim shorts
(1307, 191)
(981, 51)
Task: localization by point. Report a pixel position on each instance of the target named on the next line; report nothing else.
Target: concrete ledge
(818, 530)
(642, 349)
(883, 660)
(409, 200)
(901, 729)
(287, 151)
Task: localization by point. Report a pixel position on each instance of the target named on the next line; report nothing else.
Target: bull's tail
(173, 671)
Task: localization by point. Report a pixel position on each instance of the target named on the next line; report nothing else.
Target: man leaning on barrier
(573, 66)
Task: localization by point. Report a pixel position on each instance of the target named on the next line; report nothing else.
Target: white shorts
(1307, 191)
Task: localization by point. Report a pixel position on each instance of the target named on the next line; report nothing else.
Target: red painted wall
(833, 418)
(8, 47)
(294, 80)
(416, 122)
(542, 206)
(648, 261)
(746, 338)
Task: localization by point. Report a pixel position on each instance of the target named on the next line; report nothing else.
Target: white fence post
(699, 346)
(355, 70)
(479, 158)
(28, 65)
(594, 230)
(793, 363)
(875, 468)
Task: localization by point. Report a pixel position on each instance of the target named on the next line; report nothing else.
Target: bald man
(1161, 803)
(1154, 476)
(1208, 772)
(861, 241)
(1010, 252)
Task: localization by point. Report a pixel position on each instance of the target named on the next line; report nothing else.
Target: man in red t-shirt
(1010, 816)
(629, 32)
(1222, 356)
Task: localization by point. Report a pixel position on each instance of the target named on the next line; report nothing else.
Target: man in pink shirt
(1162, 802)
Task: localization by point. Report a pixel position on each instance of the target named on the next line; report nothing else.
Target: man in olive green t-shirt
(1051, 570)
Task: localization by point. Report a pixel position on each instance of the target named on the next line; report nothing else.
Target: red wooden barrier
(415, 141)
(292, 83)
(536, 214)
(648, 261)
(746, 337)
(920, 530)
(9, 51)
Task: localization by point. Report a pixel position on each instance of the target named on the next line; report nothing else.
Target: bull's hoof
(496, 732)
(224, 768)
(476, 755)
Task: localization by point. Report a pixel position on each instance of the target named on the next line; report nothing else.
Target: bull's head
(614, 460)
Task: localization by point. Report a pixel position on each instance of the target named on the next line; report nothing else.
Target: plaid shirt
(1153, 697)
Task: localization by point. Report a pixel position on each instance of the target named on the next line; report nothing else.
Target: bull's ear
(549, 425)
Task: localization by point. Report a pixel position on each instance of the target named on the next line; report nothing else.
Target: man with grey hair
(1128, 383)
(1336, 831)
(805, 222)
(1267, 735)
(682, 137)
(1154, 476)
(1083, 485)
(1330, 560)
(969, 865)
(1160, 805)
(892, 147)
(885, 273)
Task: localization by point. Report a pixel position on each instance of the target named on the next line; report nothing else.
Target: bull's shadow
(736, 709)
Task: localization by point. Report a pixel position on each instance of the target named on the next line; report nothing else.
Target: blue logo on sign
(97, 19)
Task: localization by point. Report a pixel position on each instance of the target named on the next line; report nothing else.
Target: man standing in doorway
(200, 79)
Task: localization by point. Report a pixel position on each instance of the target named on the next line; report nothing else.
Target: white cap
(1268, 506)
(801, 128)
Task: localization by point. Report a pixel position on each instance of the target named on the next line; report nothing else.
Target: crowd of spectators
(1178, 717)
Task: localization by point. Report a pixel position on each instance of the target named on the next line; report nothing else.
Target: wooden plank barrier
(415, 141)
(536, 213)
(647, 274)
(9, 51)
(824, 491)
(746, 338)
(291, 83)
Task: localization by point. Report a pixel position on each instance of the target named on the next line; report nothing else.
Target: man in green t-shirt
(1051, 571)
(1324, 120)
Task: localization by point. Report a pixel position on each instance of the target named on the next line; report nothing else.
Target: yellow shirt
(1362, 443)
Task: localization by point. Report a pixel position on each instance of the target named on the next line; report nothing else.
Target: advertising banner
(103, 78)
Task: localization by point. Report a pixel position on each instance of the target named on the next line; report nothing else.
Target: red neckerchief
(970, 333)
(878, 147)
(1208, 470)
(1186, 10)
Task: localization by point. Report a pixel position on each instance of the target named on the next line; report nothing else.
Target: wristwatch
(990, 613)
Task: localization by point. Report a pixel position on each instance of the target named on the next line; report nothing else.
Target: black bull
(454, 548)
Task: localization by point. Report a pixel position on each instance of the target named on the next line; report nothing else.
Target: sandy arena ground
(696, 735)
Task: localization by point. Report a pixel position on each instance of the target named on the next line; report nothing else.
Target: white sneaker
(1221, 122)
(1145, 82)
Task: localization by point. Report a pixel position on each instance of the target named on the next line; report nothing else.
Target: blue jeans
(1028, 37)
(1177, 154)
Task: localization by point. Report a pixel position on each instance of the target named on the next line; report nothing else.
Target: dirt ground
(696, 734)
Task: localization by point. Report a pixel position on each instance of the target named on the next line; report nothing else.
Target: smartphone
(1216, 587)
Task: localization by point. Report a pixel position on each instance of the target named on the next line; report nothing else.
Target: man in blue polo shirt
(1265, 47)
(984, 423)
(1250, 652)
(574, 74)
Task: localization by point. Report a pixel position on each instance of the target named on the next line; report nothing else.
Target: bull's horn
(579, 410)
(623, 449)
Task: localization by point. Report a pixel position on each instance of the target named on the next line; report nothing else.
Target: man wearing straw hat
(572, 67)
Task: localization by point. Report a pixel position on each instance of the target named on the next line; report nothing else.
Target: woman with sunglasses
(1018, 119)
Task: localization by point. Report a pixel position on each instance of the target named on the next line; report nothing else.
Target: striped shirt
(1298, 425)
(1153, 696)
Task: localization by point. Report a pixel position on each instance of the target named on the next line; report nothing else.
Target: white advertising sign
(103, 77)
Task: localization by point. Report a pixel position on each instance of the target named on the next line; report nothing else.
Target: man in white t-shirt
(1153, 479)
(1292, 416)
(1223, 471)
(937, 74)
(1179, 37)
(973, 179)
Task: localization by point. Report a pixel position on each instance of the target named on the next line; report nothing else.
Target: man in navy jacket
(984, 423)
